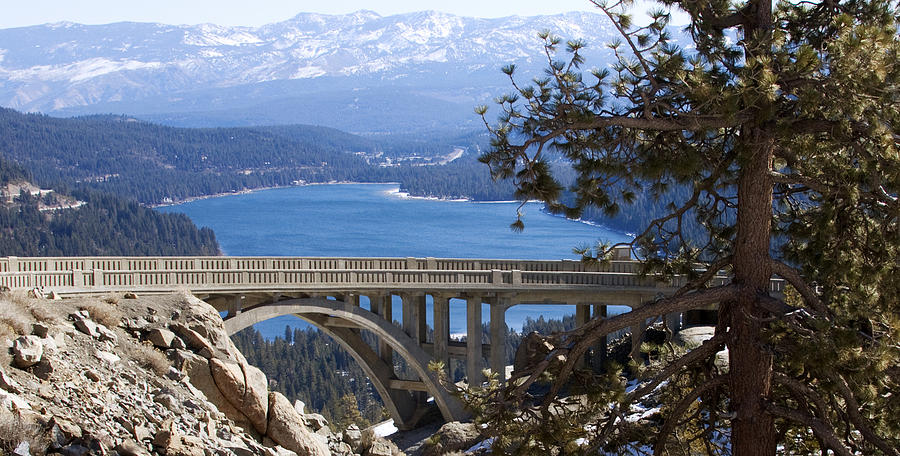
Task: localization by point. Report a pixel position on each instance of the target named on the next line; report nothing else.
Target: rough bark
(753, 428)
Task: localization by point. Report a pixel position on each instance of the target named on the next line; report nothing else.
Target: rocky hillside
(135, 375)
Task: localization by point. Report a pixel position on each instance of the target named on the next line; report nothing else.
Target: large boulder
(245, 387)
(204, 320)
(200, 376)
(161, 337)
(286, 429)
(453, 436)
(382, 447)
(353, 436)
(533, 349)
(194, 340)
(27, 351)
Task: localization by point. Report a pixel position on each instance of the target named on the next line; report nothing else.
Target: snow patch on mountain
(78, 71)
(67, 65)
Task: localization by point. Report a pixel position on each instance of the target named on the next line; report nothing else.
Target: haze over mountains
(358, 72)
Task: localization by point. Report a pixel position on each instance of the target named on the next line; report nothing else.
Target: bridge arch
(321, 311)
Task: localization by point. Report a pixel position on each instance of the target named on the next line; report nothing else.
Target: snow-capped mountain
(310, 68)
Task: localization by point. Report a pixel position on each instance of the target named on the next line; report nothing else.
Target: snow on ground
(384, 428)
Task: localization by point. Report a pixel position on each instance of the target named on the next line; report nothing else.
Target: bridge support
(382, 305)
(498, 336)
(403, 405)
(442, 330)
(582, 315)
(474, 349)
(599, 355)
(234, 305)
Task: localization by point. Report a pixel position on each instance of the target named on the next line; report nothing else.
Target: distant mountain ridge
(360, 72)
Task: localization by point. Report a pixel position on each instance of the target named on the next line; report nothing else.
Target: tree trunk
(753, 429)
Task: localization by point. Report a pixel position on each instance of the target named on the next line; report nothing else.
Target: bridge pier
(382, 304)
(474, 349)
(599, 355)
(498, 336)
(582, 315)
(234, 305)
(441, 310)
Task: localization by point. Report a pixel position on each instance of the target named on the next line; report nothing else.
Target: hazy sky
(16, 13)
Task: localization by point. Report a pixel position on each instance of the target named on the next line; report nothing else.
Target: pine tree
(784, 120)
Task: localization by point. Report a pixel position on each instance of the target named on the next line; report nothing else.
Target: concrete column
(442, 329)
(385, 309)
(600, 348)
(498, 337)
(419, 318)
(234, 306)
(582, 315)
(637, 333)
(414, 316)
(473, 340)
(406, 310)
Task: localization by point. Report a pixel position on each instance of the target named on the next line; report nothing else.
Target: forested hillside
(103, 225)
(154, 164)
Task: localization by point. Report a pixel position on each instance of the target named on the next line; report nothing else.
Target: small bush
(14, 430)
(14, 317)
(147, 357)
(40, 311)
(103, 312)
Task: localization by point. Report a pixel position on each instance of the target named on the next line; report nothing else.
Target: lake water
(374, 220)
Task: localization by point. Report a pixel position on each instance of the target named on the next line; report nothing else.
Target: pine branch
(592, 331)
(796, 280)
(708, 348)
(821, 429)
(853, 408)
(681, 407)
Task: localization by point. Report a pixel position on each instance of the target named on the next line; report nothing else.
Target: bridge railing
(49, 264)
(210, 273)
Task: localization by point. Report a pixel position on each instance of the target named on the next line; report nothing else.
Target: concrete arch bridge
(327, 292)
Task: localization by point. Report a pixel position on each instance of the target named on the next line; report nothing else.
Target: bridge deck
(311, 274)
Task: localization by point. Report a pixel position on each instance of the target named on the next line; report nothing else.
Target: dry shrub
(146, 356)
(15, 319)
(113, 300)
(14, 430)
(103, 312)
(41, 312)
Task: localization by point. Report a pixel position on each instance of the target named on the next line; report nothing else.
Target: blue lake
(373, 220)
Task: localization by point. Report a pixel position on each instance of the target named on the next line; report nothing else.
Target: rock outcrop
(452, 437)
(161, 376)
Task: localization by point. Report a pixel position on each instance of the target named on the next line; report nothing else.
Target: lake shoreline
(248, 191)
(394, 193)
